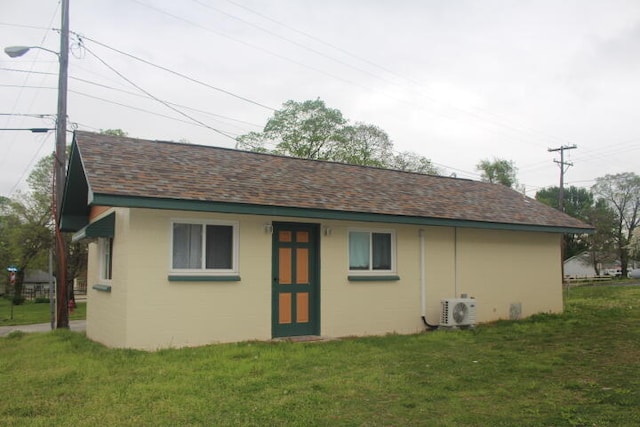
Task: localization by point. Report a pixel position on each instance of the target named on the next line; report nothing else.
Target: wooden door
(295, 282)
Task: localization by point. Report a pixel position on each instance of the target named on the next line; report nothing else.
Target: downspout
(423, 283)
(455, 262)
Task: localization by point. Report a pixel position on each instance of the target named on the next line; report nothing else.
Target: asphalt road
(74, 325)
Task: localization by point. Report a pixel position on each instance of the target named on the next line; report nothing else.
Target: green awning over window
(103, 227)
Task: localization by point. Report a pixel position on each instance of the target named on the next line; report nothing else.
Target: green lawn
(581, 368)
(29, 313)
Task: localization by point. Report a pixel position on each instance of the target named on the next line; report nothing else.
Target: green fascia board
(176, 278)
(237, 208)
(75, 207)
(102, 288)
(384, 278)
(104, 227)
(73, 222)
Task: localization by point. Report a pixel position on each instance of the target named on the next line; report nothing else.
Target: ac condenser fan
(460, 312)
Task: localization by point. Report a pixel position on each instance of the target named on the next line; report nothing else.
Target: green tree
(113, 132)
(412, 162)
(363, 144)
(31, 221)
(622, 194)
(634, 245)
(306, 129)
(26, 229)
(602, 243)
(311, 130)
(578, 202)
(498, 171)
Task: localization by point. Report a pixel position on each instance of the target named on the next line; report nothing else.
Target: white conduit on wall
(455, 262)
(423, 281)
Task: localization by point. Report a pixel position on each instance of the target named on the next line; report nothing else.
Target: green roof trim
(390, 278)
(175, 278)
(237, 208)
(104, 227)
(75, 208)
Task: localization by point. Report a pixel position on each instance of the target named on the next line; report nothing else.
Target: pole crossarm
(563, 170)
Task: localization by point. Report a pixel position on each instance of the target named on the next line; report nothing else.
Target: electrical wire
(15, 104)
(46, 137)
(158, 99)
(220, 116)
(184, 76)
(498, 121)
(190, 122)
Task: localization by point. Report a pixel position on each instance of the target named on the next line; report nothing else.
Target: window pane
(358, 250)
(106, 253)
(219, 246)
(187, 246)
(381, 251)
(109, 258)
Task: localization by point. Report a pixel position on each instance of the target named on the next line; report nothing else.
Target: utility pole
(59, 168)
(564, 166)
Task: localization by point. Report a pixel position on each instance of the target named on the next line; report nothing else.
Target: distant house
(36, 284)
(580, 266)
(193, 245)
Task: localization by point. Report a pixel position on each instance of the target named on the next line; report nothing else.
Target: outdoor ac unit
(458, 312)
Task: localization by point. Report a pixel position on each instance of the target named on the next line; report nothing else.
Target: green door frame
(295, 328)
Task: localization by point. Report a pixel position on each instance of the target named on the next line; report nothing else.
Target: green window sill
(176, 278)
(386, 278)
(102, 288)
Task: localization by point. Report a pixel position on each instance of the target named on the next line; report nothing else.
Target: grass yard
(30, 312)
(581, 368)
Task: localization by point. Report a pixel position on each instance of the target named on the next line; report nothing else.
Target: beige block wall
(369, 308)
(501, 268)
(106, 312)
(496, 267)
(176, 314)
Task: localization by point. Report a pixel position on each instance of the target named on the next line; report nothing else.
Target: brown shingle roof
(120, 166)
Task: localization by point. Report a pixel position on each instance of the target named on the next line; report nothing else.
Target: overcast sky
(455, 81)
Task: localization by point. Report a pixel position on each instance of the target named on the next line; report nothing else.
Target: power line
(519, 127)
(121, 91)
(184, 76)
(30, 164)
(15, 104)
(158, 99)
(146, 111)
(32, 27)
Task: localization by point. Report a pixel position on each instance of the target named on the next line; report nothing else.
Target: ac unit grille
(458, 312)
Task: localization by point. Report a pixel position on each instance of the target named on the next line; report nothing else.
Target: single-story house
(580, 266)
(192, 245)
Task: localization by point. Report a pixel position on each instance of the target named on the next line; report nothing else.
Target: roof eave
(286, 211)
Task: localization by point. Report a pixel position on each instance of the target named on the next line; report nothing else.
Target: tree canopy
(311, 130)
(579, 203)
(26, 228)
(498, 171)
(621, 192)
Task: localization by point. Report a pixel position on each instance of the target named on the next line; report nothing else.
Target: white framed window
(105, 253)
(204, 247)
(371, 251)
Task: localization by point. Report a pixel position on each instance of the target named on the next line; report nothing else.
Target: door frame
(280, 331)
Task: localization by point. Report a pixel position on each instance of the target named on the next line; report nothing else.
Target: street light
(33, 130)
(60, 155)
(16, 51)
